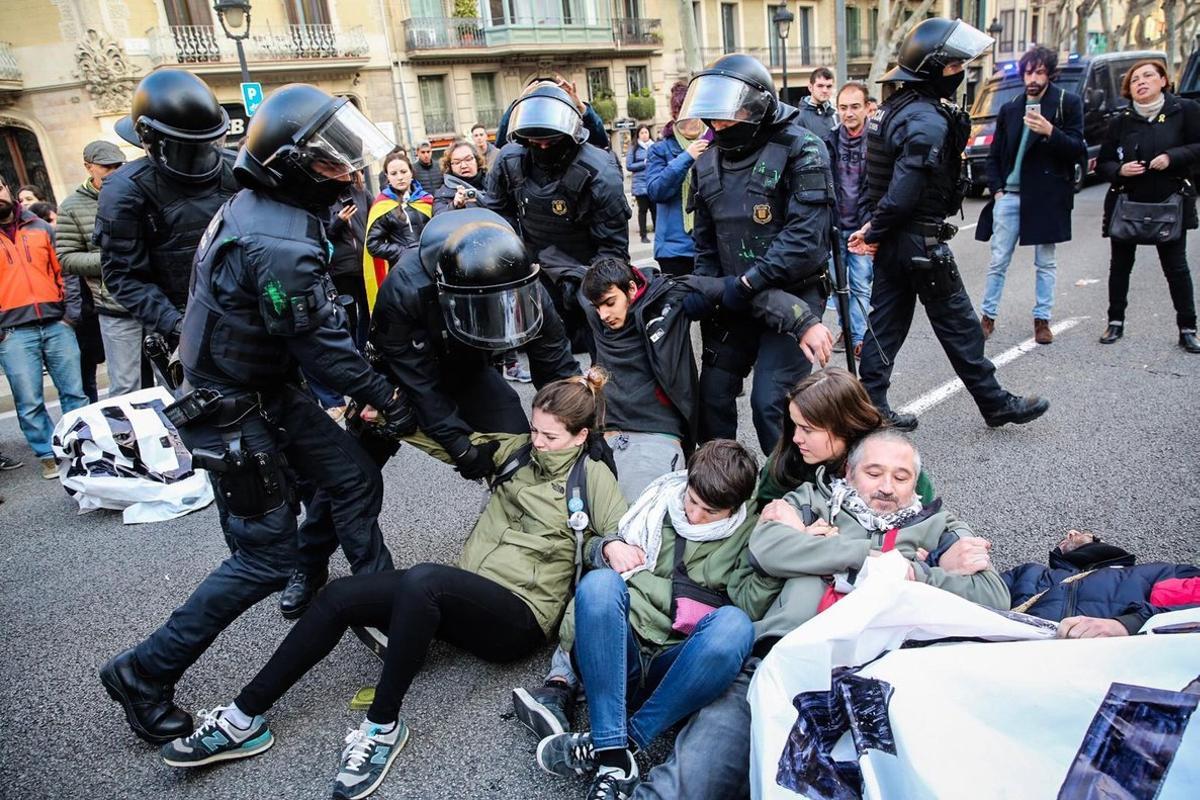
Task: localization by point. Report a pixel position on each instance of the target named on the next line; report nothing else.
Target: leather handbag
(1147, 223)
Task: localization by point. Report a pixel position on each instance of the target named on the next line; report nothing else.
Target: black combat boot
(149, 704)
(300, 590)
(1018, 410)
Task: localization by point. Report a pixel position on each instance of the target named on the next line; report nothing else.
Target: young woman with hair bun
(502, 602)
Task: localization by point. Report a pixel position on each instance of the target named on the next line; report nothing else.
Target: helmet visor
(499, 320)
(189, 161)
(342, 144)
(538, 117)
(726, 98)
(964, 44)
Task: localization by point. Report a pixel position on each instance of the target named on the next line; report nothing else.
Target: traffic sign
(252, 97)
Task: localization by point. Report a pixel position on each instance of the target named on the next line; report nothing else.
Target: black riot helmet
(487, 286)
(734, 88)
(304, 144)
(932, 45)
(547, 113)
(177, 120)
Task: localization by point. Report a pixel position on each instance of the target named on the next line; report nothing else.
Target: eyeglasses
(458, 162)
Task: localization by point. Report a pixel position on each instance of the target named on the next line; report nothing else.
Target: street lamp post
(994, 30)
(783, 26)
(234, 16)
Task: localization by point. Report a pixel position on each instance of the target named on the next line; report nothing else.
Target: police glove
(399, 419)
(737, 295)
(696, 305)
(478, 461)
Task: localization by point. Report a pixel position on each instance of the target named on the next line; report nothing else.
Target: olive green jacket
(522, 540)
(722, 565)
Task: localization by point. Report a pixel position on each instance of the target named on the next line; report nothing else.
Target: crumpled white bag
(123, 454)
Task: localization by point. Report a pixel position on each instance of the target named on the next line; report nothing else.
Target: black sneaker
(366, 759)
(612, 783)
(1188, 340)
(7, 463)
(217, 739)
(567, 755)
(1018, 410)
(301, 588)
(149, 705)
(546, 710)
(902, 422)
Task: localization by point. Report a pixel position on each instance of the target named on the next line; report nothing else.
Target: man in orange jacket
(36, 317)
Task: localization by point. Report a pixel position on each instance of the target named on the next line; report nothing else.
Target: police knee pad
(935, 276)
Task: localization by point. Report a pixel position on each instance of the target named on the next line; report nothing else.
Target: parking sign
(252, 97)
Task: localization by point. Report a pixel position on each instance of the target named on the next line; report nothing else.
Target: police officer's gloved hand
(737, 295)
(399, 419)
(696, 305)
(598, 449)
(478, 461)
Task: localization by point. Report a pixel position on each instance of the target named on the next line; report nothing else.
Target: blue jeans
(23, 351)
(860, 270)
(1006, 232)
(667, 686)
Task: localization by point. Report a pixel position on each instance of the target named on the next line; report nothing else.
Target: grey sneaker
(7, 463)
(217, 739)
(366, 759)
(567, 754)
(516, 373)
(545, 710)
(614, 784)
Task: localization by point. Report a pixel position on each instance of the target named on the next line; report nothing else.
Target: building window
(1008, 21)
(729, 27)
(631, 8)
(873, 34)
(637, 78)
(487, 103)
(21, 161)
(1021, 31)
(854, 43)
(598, 83)
(775, 46)
(434, 107)
(307, 12)
(188, 12)
(698, 17)
(802, 28)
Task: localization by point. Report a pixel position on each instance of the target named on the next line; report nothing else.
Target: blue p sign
(252, 97)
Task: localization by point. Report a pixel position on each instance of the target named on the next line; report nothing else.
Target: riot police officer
(914, 158)
(558, 191)
(261, 308)
(153, 210)
(762, 199)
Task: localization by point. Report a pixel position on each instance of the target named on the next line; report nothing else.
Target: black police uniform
(261, 307)
(765, 216)
(582, 212)
(147, 228)
(914, 154)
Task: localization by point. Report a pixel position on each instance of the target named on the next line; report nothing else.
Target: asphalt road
(1117, 454)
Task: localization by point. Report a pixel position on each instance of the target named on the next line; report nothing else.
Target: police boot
(149, 705)
(1018, 410)
(1188, 341)
(299, 592)
(901, 422)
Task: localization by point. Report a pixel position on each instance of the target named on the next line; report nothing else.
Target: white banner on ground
(840, 712)
(123, 454)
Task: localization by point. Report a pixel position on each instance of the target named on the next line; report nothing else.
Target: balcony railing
(628, 30)
(438, 123)
(798, 57)
(205, 44)
(488, 117)
(9, 70)
(455, 33)
(439, 33)
(862, 48)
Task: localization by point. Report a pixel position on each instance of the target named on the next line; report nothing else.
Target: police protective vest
(749, 206)
(175, 217)
(556, 213)
(945, 187)
(260, 276)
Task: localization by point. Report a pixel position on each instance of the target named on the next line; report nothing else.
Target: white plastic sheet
(121, 453)
(1003, 718)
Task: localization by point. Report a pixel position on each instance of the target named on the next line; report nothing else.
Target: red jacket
(31, 280)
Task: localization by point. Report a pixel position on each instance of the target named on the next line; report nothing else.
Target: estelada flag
(376, 269)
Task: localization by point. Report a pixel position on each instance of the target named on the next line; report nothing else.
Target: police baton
(841, 290)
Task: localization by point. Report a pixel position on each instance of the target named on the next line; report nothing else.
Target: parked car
(1188, 84)
(1095, 78)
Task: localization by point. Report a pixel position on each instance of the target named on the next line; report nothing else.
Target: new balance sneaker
(366, 759)
(567, 755)
(218, 739)
(613, 783)
(516, 373)
(545, 710)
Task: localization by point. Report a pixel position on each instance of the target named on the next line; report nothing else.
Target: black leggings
(644, 205)
(415, 606)
(1173, 258)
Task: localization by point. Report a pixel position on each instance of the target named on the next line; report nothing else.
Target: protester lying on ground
(1095, 589)
(502, 602)
(665, 628)
(711, 757)
(828, 413)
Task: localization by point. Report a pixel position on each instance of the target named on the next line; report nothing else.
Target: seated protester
(1100, 586)
(664, 631)
(502, 602)
(711, 756)
(395, 222)
(828, 413)
(465, 181)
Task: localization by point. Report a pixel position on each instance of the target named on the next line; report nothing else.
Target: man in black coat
(1038, 143)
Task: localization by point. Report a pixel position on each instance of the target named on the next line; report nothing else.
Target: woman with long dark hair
(1150, 153)
(395, 222)
(635, 162)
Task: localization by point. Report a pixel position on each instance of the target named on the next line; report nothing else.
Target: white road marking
(951, 388)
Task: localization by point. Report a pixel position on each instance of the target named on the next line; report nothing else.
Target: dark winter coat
(1130, 137)
(835, 162)
(1047, 171)
(431, 177)
(635, 162)
(348, 237)
(1116, 590)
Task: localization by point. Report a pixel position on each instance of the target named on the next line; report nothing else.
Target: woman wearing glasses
(464, 169)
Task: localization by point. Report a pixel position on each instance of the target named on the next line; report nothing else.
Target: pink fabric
(688, 614)
(1176, 592)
